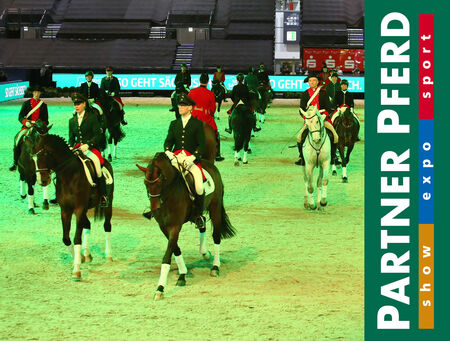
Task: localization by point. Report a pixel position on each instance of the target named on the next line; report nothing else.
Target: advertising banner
(345, 59)
(9, 91)
(406, 229)
(167, 82)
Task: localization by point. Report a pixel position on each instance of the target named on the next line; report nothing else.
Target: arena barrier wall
(167, 82)
(12, 90)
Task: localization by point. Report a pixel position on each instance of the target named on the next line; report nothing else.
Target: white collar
(185, 119)
(82, 114)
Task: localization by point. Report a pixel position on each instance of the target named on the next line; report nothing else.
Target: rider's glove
(188, 162)
(84, 147)
(28, 124)
(112, 94)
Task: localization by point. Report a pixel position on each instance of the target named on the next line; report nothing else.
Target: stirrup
(13, 168)
(104, 201)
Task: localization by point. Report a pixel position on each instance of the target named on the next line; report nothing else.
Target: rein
(322, 132)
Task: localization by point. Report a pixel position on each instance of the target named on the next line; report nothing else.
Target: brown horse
(347, 127)
(73, 192)
(172, 207)
(27, 175)
(210, 143)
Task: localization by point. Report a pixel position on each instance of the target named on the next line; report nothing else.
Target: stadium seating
(233, 55)
(104, 30)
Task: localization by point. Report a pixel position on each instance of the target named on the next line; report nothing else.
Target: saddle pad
(89, 169)
(108, 178)
(208, 185)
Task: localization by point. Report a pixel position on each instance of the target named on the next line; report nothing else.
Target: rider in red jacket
(205, 107)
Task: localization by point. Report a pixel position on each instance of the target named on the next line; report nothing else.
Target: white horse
(316, 151)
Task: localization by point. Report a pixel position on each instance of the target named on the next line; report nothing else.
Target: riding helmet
(35, 87)
(204, 78)
(78, 98)
(186, 100)
(240, 77)
(344, 81)
(312, 75)
(89, 73)
(109, 68)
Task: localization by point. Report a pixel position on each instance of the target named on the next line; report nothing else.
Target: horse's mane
(58, 142)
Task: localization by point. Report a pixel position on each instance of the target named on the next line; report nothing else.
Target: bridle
(35, 158)
(320, 130)
(149, 194)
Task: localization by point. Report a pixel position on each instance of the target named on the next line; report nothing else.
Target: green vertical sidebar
(405, 304)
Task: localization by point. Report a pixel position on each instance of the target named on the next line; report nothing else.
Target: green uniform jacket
(190, 138)
(88, 132)
(251, 81)
(110, 85)
(332, 90)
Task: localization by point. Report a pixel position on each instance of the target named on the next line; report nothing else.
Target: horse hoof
(245, 162)
(23, 196)
(236, 163)
(109, 158)
(31, 211)
(323, 203)
(158, 296)
(206, 256)
(86, 259)
(305, 205)
(312, 207)
(214, 271)
(181, 282)
(344, 180)
(45, 205)
(333, 172)
(76, 276)
(109, 258)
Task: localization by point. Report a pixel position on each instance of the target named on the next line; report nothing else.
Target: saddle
(208, 184)
(90, 172)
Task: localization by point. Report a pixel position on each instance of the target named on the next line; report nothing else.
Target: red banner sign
(345, 59)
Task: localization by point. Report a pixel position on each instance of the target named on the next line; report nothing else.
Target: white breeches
(177, 162)
(96, 161)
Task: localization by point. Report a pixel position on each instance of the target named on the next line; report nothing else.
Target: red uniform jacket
(219, 76)
(206, 105)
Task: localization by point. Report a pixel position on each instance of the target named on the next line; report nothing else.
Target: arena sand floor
(289, 274)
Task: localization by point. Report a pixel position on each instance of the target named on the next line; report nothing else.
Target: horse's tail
(99, 213)
(227, 230)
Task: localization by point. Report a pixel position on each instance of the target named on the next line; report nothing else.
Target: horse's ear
(50, 127)
(142, 168)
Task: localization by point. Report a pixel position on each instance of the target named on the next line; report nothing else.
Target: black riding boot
(101, 183)
(16, 151)
(301, 160)
(174, 104)
(229, 130)
(218, 156)
(198, 210)
(333, 148)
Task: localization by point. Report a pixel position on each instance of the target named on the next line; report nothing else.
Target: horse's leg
(45, 204)
(81, 218)
(30, 198)
(114, 155)
(203, 248)
(215, 212)
(236, 157)
(66, 217)
(326, 171)
(182, 269)
(86, 256)
(344, 163)
(173, 232)
(23, 195)
(110, 140)
(319, 187)
(107, 228)
(310, 171)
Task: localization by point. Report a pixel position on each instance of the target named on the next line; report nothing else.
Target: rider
(324, 74)
(332, 89)
(239, 95)
(316, 96)
(219, 76)
(345, 98)
(110, 84)
(205, 107)
(186, 138)
(251, 80)
(84, 135)
(91, 91)
(32, 110)
(182, 84)
(263, 78)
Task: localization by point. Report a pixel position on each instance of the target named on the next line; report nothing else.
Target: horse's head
(314, 122)
(346, 117)
(157, 175)
(40, 153)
